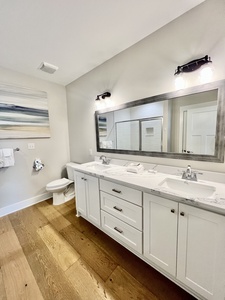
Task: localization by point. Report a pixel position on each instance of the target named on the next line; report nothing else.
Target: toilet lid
(58, 183)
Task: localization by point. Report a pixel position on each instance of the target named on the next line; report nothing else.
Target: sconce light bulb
(206, 74)
(97, 105)
(108, 102)
(179, 82)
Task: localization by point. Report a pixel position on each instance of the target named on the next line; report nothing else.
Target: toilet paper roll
(38, 165)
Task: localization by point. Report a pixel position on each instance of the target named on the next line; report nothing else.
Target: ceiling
(77, 35)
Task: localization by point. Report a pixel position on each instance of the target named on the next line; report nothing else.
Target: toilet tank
(70, 168)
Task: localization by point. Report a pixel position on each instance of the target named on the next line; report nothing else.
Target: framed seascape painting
(23, 113)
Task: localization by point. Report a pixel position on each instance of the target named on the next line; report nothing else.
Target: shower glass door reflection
(151, 135)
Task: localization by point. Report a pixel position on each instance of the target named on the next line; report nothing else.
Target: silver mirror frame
(218, 157)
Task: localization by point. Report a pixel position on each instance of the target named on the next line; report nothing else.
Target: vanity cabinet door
(87, 197)
(93, 199)
(201, 251)
(80, 192)
(160, 232)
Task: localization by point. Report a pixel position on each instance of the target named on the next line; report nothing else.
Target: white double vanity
(175, 225)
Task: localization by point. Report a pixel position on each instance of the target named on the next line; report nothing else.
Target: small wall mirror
(186, 124)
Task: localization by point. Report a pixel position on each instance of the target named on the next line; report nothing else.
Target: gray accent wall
(146, 69)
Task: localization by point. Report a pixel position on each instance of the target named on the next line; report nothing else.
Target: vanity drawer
(121, 191)
(123, 210)
(122, 232)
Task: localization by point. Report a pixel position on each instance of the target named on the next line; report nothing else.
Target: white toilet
(63, 189)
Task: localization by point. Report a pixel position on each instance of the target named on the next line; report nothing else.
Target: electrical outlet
(31, 146)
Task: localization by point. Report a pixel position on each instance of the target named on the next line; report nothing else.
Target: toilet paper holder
(38, 165)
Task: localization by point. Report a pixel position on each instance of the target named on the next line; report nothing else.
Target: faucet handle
(105, 160)
(189, 168)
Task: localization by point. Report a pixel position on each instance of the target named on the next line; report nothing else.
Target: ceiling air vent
(48, 68)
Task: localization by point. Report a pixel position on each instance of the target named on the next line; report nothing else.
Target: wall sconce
(193, 65)
(103, 96)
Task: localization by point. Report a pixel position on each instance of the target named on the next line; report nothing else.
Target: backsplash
(205, 175)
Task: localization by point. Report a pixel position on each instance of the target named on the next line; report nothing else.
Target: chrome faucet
(105, 160)
(189, 174)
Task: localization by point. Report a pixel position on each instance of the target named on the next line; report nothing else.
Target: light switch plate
(31, 146)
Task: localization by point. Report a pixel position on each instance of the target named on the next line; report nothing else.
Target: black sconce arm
(192, 65)
(103, 96)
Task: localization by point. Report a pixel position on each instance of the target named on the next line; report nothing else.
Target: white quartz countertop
(150, 181)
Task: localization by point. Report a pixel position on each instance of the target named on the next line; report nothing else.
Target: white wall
(20, 185)
(147, 69)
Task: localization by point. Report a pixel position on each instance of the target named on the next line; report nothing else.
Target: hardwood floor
(46, 252)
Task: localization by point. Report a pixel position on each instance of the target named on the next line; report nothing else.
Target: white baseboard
(23, 204)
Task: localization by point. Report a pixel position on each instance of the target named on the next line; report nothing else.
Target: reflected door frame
(184, 121)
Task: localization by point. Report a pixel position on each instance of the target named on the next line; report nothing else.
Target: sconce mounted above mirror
(186, 124)
(103, 96)
(193, 65)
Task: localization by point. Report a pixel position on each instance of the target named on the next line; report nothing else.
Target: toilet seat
(62, 189)
(59, 183)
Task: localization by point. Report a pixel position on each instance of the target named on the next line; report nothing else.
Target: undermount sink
(188, 188)
(98, 166)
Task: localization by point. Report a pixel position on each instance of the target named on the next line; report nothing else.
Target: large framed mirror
(186, 124)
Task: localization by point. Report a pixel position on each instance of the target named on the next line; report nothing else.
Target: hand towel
(8, 157)
(135, 168)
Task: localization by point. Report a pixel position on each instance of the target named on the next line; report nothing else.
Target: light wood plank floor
(46, 252)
